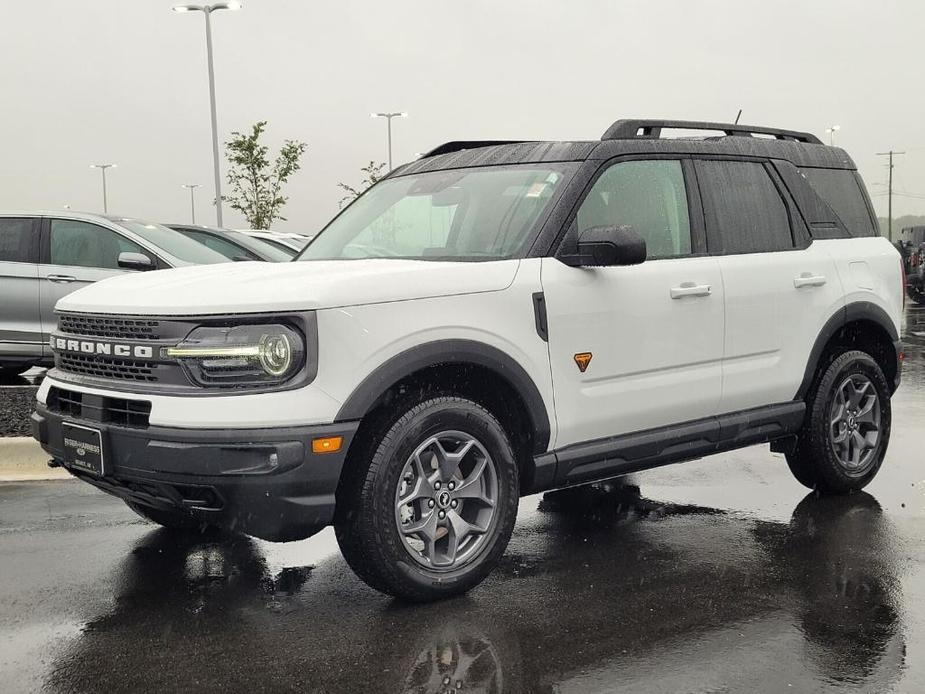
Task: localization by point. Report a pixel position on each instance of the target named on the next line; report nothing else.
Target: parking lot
(717, 575)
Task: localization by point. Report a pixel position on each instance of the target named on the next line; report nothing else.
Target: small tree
(256, 187)
(373, 173)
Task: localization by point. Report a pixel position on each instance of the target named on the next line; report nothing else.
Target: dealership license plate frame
(80, 458)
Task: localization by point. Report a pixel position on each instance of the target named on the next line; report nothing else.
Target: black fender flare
(428, 354)
(857, 310)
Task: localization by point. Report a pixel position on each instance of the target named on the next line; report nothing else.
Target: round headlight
(275, 354)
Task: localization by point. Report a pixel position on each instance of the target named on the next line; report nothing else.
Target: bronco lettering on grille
(106, 348)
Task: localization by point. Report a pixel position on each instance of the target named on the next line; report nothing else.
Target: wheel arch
(859, 325)
(431, 357)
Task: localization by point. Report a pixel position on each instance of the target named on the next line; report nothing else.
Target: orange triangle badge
(583, 359)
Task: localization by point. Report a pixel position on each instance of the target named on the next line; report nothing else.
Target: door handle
(62, 279)
(807, 279)
(690, 289)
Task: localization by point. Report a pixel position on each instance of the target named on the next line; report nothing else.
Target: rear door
(20, 320)
(780, 288)
(77, 253)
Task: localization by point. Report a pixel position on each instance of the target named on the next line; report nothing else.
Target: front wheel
(847, 428)
(428, 514)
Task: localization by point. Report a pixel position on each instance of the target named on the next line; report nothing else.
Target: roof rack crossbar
(460, 145)
(652, 129)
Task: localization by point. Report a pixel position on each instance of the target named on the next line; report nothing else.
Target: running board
(601, 459)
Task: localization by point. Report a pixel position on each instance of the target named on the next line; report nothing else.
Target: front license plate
(83, 448)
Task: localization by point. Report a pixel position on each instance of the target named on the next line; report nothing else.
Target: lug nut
(430, 503)
(454, 503)
(442, 514)
(451, 486)
(437, 486)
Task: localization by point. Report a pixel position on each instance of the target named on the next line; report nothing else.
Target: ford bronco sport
(492, 320)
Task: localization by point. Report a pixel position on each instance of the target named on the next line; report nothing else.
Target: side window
(227, 249)
(648, 195)
(841, 189)
(743, 208)
(16, 240)
(81, 244)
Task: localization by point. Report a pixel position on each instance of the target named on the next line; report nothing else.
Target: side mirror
(135, 261)
(607, 246)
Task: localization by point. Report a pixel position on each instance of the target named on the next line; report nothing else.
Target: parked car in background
(234, 245)
(911, 246)
(289, 243)
(46, 255)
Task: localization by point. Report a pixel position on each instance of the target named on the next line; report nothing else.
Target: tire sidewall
(435, 416)
(848, 364)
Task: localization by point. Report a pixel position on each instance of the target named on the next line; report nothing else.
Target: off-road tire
(365, 523)
(813, 460)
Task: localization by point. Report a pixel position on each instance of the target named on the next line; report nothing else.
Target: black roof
(640, 137)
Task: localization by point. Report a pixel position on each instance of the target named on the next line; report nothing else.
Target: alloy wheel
(446, 500)
(854, 424)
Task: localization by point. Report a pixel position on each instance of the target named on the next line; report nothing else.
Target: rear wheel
(428, 508)
(847, 426)
(175, 520)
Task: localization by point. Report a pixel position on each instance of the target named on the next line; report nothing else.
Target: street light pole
(102, 168)
(207, 10)
(831, 130)
(192, 200)
(889, 194)
(389, 116)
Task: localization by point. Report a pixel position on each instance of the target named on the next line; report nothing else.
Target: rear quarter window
(841, 189)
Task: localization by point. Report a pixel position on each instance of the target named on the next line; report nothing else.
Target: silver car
(44, 256)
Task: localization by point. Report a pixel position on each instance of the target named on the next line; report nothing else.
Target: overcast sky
(125, 81)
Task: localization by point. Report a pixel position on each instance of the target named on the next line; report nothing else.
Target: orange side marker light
(328, 444)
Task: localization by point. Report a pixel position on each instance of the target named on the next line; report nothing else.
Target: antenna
(739, 115)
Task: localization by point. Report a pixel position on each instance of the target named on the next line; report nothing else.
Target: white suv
(494, 320)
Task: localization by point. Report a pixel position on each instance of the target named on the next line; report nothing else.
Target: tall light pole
(207, 10)
(389, 117)
(831, 130)
(192, 200)
(889, 194)
(102, 168)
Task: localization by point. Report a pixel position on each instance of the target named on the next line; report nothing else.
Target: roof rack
(460, 145)
(652, 129)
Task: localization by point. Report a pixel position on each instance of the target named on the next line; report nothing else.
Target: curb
(22, 458)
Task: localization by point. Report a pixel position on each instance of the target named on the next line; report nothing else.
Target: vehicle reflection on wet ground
(718, 575)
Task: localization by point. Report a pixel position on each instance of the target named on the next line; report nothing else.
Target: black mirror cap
(607, 246)
(135, 261)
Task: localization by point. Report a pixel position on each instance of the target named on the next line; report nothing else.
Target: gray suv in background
(44, 256)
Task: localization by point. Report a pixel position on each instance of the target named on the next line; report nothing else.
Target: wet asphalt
(719, 575)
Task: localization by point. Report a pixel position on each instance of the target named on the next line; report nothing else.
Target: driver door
(654, 331)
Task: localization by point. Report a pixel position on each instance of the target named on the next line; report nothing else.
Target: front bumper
(264, 482)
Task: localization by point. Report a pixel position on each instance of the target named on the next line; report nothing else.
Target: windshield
(173, 242)
(464, 214)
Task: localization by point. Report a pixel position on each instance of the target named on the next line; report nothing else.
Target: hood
(253, 287)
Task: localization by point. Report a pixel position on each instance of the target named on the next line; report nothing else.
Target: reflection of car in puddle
(603, 587)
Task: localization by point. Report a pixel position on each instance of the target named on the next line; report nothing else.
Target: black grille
(107, 367)
(101, 326)
(97, 408)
